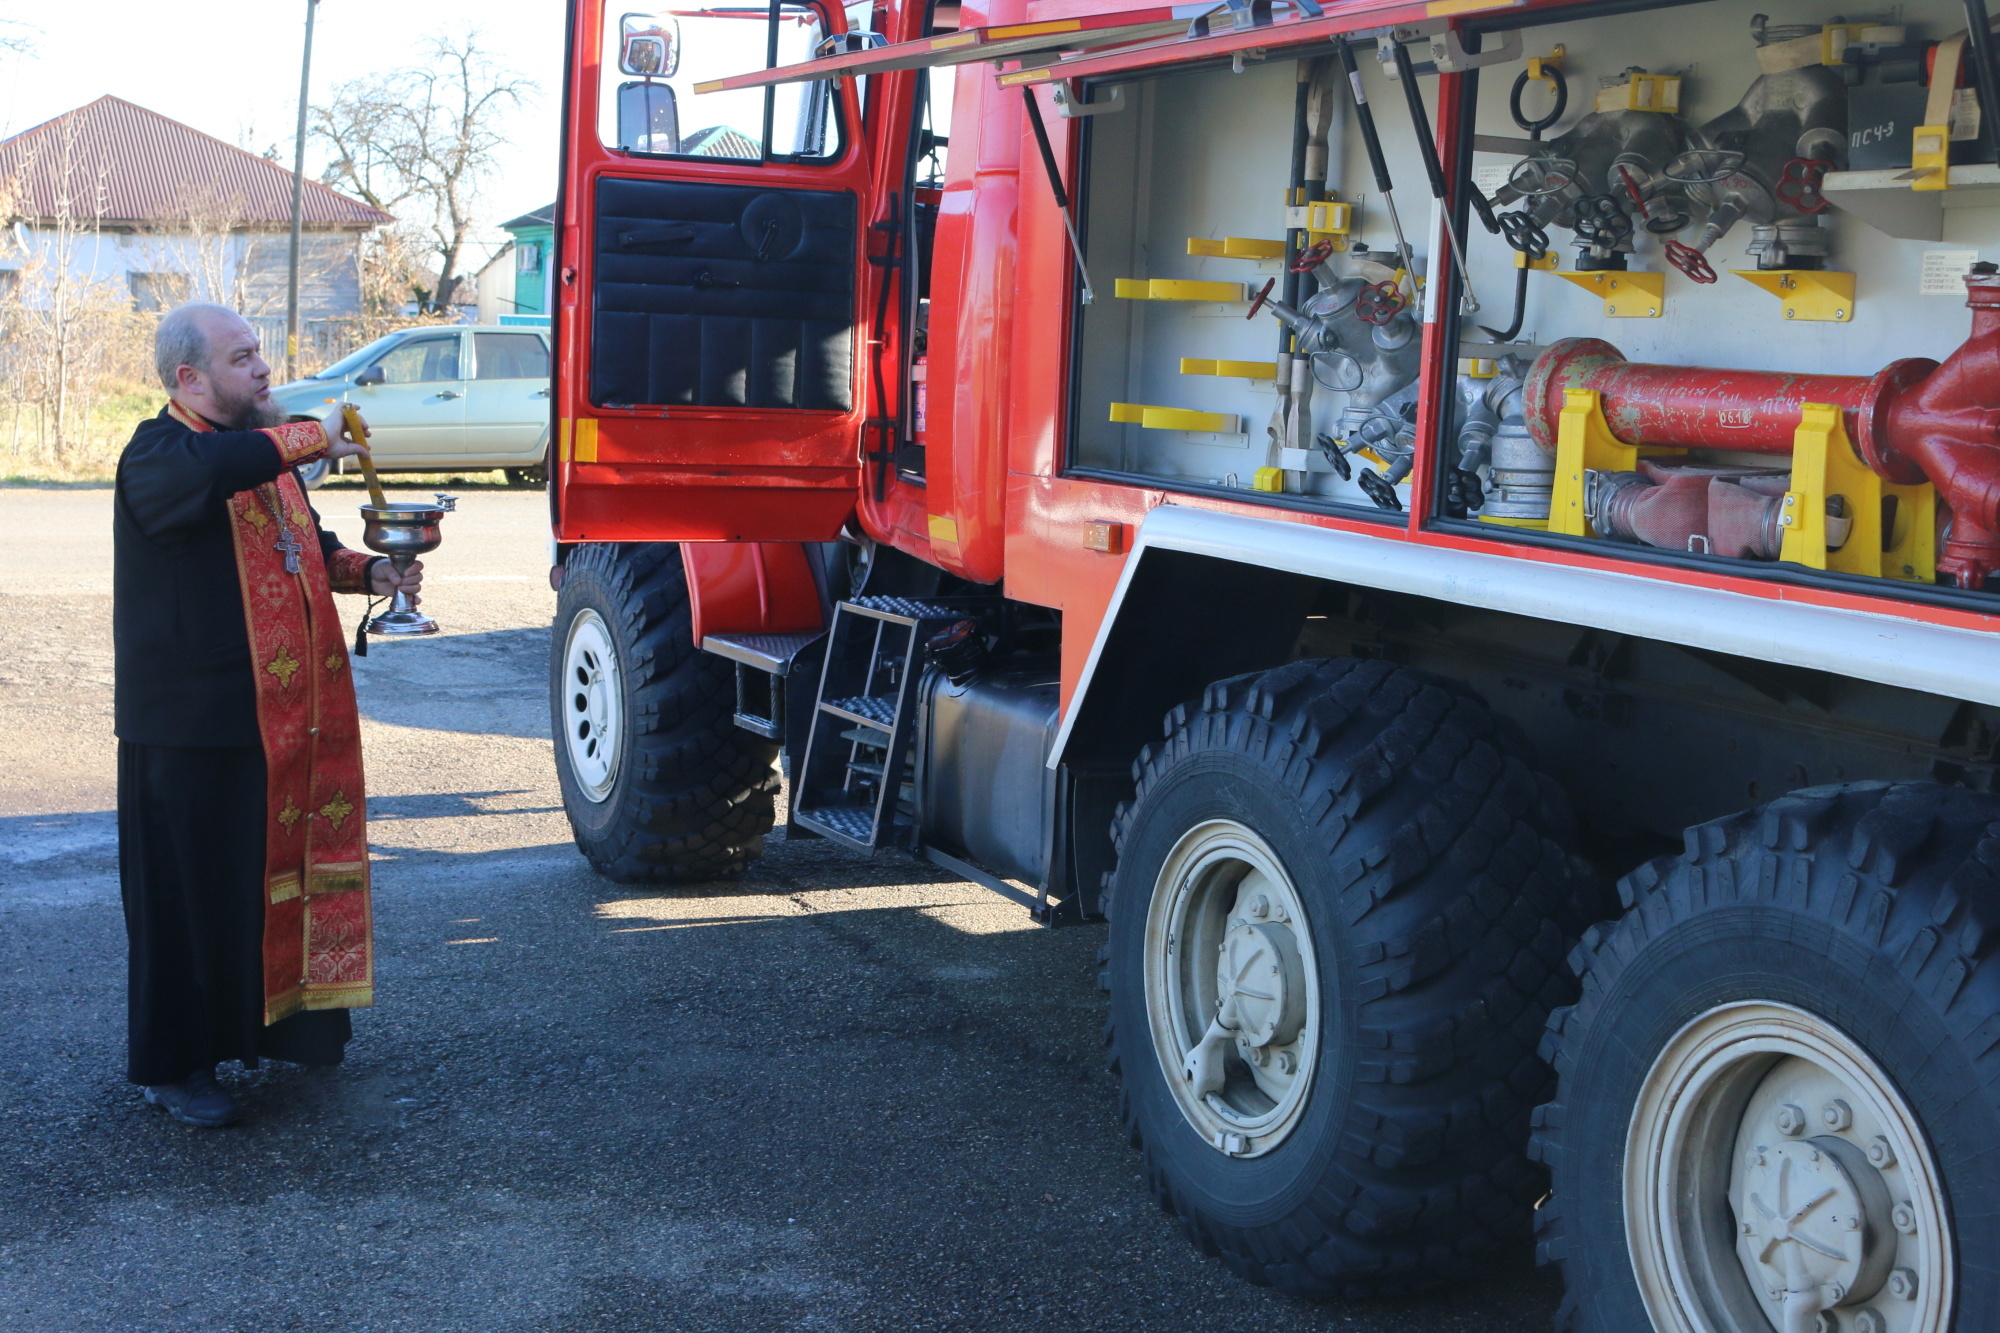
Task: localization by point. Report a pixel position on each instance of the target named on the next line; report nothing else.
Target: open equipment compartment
(1745, 343)
(1205, 190)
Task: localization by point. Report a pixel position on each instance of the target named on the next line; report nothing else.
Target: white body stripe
(1937, 659)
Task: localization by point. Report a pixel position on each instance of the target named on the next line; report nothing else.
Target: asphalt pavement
(838, 1094)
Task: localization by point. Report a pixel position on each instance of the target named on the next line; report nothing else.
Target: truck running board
(851, 786)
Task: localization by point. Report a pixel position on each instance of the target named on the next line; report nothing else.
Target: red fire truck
(1460, 529)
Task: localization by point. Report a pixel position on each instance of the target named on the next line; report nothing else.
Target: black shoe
(196, 1100)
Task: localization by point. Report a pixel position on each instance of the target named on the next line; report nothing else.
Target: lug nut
(1903, 1284)
(1260, 907)
(1791, 1120)
(1836, 1115)
(1287, 1062)
(1870, 1320)
(1880, 1155)
(1904, 1218)
(1259, 1056)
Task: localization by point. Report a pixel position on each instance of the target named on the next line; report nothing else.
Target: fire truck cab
(1460, 531)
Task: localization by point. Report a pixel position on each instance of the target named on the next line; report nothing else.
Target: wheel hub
(1257, 975)
(592, 705)
(1231, 990)
(1780, 1180)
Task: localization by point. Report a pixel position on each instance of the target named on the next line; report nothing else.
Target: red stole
(318, 946)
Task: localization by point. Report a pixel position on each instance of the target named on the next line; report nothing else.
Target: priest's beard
(247, 414)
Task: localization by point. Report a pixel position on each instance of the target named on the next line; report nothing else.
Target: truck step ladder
(850, 787)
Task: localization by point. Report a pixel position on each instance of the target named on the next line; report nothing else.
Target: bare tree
(426, 135)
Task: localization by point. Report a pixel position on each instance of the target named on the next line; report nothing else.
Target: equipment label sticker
(1944, 272)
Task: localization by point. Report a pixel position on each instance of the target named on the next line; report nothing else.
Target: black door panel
(722, 296)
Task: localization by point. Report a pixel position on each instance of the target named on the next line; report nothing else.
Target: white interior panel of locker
(1208, 154)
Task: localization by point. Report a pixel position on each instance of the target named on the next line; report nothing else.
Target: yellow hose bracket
(1268, 479)
(1176, 418)
(1825, 467)
(1625, 295)
(1808, 294)
(1235, 247)
(1245, 370)
(1178, 289)
(1584, 443)
(1546, 264)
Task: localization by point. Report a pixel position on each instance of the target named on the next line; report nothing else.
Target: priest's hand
(340, 443)
(384, 580)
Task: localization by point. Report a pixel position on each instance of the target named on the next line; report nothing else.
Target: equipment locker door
(712, 268)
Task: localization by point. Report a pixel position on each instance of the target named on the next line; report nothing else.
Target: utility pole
(298, 201)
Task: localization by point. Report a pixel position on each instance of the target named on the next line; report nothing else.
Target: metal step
(849, 786)
(762, 663)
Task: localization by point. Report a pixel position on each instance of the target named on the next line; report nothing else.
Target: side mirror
(649, 119)
(369, 378)
(649, 45)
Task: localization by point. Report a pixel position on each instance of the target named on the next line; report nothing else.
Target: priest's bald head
(209, 360)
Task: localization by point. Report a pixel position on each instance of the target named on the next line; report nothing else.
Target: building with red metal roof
(116, 194)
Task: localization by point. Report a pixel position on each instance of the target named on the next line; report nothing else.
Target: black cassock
(191, 778)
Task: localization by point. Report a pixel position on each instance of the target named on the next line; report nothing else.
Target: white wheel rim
(1232, 990)
(1776, 1179)
(592, 705)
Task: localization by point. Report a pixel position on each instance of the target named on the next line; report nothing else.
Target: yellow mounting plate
(1236, 247)
(1247, 370)
(1178, 289)
(1625, 295)
(1546, 264)
(1808, 294)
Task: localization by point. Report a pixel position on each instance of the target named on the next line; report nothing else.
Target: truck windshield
(648, 104)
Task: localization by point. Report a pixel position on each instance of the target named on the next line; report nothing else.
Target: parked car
(441, 398)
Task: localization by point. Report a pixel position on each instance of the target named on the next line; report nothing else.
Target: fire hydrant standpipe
(1913, 421)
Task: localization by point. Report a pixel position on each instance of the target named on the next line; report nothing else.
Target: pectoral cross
(289, 545)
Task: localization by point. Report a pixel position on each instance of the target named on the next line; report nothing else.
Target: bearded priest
(242, 840)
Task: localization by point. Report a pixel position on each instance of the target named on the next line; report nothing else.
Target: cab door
(714, 284)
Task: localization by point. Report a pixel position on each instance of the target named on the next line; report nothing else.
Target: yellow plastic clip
(1893, 529)
(1642, 92)
(1268, 479)
(1930, 157)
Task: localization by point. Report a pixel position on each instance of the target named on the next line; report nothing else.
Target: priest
(242, 844)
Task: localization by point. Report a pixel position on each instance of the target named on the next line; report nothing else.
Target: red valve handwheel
(1380, 302)
(1690, 261)
(1801, 184)
(1312, 257)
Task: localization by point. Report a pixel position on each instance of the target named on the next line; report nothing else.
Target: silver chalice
(403, 531)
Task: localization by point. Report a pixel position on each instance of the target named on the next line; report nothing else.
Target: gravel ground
(838, 1094)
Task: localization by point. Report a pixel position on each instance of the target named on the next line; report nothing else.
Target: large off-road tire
(1779, 1089)
(658, 780)
(1340, 911)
